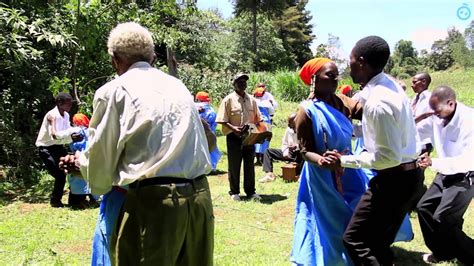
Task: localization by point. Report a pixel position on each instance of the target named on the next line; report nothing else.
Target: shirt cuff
(83, 165)
(349, 161)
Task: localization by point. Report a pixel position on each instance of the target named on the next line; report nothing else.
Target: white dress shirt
(454, 143)
(268, 96)
(289, 139)
(45, 137)
(424, 127)
(388, 127)
(265, 104)
(144, 125)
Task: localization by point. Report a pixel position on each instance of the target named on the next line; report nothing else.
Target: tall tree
(295, 29)
(269, 7)
(404, 61)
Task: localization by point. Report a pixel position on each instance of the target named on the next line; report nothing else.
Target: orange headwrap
(258, 92)
(311, 67)
(345, 89)
(80, 120)
(203, 96)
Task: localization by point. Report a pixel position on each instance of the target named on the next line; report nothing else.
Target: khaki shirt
(237, 111)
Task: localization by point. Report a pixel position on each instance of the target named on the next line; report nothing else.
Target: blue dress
(265, 114)
(209, 115)
(322, 213)
(108, 215)
(77, 184)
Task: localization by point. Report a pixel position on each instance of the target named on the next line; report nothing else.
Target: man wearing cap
(237, 110)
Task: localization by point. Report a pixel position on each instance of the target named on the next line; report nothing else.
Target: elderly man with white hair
(146, 133)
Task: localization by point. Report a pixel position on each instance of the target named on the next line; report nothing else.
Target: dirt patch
(26, 208)
(78, 247)
(283, 214)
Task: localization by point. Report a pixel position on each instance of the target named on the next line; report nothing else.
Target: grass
(246, 233)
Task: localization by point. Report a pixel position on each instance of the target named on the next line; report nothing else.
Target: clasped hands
(331, 159)
(70, 163)
(424, 161)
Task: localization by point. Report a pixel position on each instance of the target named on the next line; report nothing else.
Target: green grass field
(246, 233)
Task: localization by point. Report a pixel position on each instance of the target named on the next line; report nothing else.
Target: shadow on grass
(269, 199)
(407, 257)
(38, 193)
(217, 172)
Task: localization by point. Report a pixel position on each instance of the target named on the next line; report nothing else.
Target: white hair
(131, 41)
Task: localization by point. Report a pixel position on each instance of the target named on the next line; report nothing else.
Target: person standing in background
(236, 111)
(51, 148)
(206, 112)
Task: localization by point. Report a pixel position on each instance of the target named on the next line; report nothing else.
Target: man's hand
(331, 160)
(70, 163)
(76, 137)
(236, 130)
(424, 161)
(423, 116)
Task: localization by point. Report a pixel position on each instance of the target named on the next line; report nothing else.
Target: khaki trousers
(165, 225)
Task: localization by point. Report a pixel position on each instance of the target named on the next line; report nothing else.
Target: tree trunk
(171, 62)
(254, 29)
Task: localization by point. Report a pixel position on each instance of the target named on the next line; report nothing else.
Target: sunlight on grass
(246, 233)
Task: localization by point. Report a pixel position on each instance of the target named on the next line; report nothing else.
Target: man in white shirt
(289, 151)
(420, 106)
(441, 209)
(146, 133)
(390, 140)
(51, 148)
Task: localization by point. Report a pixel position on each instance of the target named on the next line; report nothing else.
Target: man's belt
(163, 181)
(401, 167)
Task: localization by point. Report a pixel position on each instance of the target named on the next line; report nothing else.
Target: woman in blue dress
(266, 110)
(326, 198)
(207, 113)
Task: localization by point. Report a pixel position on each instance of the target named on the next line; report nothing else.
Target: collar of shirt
(424, 95)
(453, 126)
(139, 64)
(374, 81)
(243, 98)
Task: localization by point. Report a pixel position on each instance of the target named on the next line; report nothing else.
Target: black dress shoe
(56, 204)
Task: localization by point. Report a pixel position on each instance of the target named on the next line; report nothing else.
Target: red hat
(312, 67)
(258, 92)
(203, 96)
(345, 89)
(80, 120)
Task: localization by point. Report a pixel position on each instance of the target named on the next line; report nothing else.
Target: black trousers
(379, 214)
(50, 156)
(277, 155)
(236, 152)
(440, 213)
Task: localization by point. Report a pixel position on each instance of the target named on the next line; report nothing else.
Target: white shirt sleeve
(99, 161)
(285, 143)
(66, 134)
(388, 148)
(456, 164)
